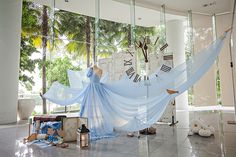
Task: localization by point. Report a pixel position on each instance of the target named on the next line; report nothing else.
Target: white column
(10, 31)
(175, 40)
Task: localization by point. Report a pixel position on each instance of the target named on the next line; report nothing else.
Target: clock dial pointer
(156, 40)
(145, 52)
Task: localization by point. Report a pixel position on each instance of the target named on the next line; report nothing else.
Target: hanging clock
(144, 46)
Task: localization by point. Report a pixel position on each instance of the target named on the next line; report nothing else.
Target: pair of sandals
(61, 145)
(147, 131)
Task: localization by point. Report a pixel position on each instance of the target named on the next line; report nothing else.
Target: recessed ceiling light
(209, 4)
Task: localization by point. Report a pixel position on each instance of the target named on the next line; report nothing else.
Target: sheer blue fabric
(129, 106)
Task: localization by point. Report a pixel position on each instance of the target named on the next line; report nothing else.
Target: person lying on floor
(54, 136)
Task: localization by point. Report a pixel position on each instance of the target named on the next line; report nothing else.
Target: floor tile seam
(13, 126)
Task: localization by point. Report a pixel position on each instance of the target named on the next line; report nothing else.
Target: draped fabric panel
(226, 81)
(131, 106)
(205, 89)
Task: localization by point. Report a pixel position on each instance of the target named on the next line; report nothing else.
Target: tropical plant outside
(73, 36)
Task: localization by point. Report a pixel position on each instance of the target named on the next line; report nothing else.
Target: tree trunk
(129, 36)
(44, 46)
(88, 38)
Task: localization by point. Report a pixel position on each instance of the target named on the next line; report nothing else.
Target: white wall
(10, 29)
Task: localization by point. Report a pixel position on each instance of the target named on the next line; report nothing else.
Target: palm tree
(35, 27)
(44, 47)
(78, 30)
(110, 35)
(88, 38)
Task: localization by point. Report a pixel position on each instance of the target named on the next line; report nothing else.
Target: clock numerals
(168, 57)
(127, 62)
(130, 72)
(164, 47)
(137, 78)
(131, 53)
(165, 68)
(146, 78)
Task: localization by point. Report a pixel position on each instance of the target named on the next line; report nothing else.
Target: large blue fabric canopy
(127, 105)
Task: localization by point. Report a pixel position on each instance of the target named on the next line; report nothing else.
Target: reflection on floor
(168, 142)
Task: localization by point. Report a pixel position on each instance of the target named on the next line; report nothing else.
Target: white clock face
(150, 59)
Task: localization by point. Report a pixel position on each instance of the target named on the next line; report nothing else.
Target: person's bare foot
(130, 134)
(63, 145)
(31, 138)
(172, 91)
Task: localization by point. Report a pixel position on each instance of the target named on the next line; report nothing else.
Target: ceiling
(198, 6)
(147, 12)
(111, 10)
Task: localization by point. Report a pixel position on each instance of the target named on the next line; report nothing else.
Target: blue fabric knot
(90, 72)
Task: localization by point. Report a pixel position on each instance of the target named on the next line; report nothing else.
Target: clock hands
(156, 40)
(144, 49)
(143, 45)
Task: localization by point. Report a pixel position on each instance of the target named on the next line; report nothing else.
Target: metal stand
(173, 122)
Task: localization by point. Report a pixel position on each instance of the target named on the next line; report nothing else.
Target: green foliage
(75, 28)
(30, 24)
(218, 88)
(26, 63)
(30, 18)
(110, 37)
(72, 26)
(57, 70)
(114, 36)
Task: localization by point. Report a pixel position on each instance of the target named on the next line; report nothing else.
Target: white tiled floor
(168, 142)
